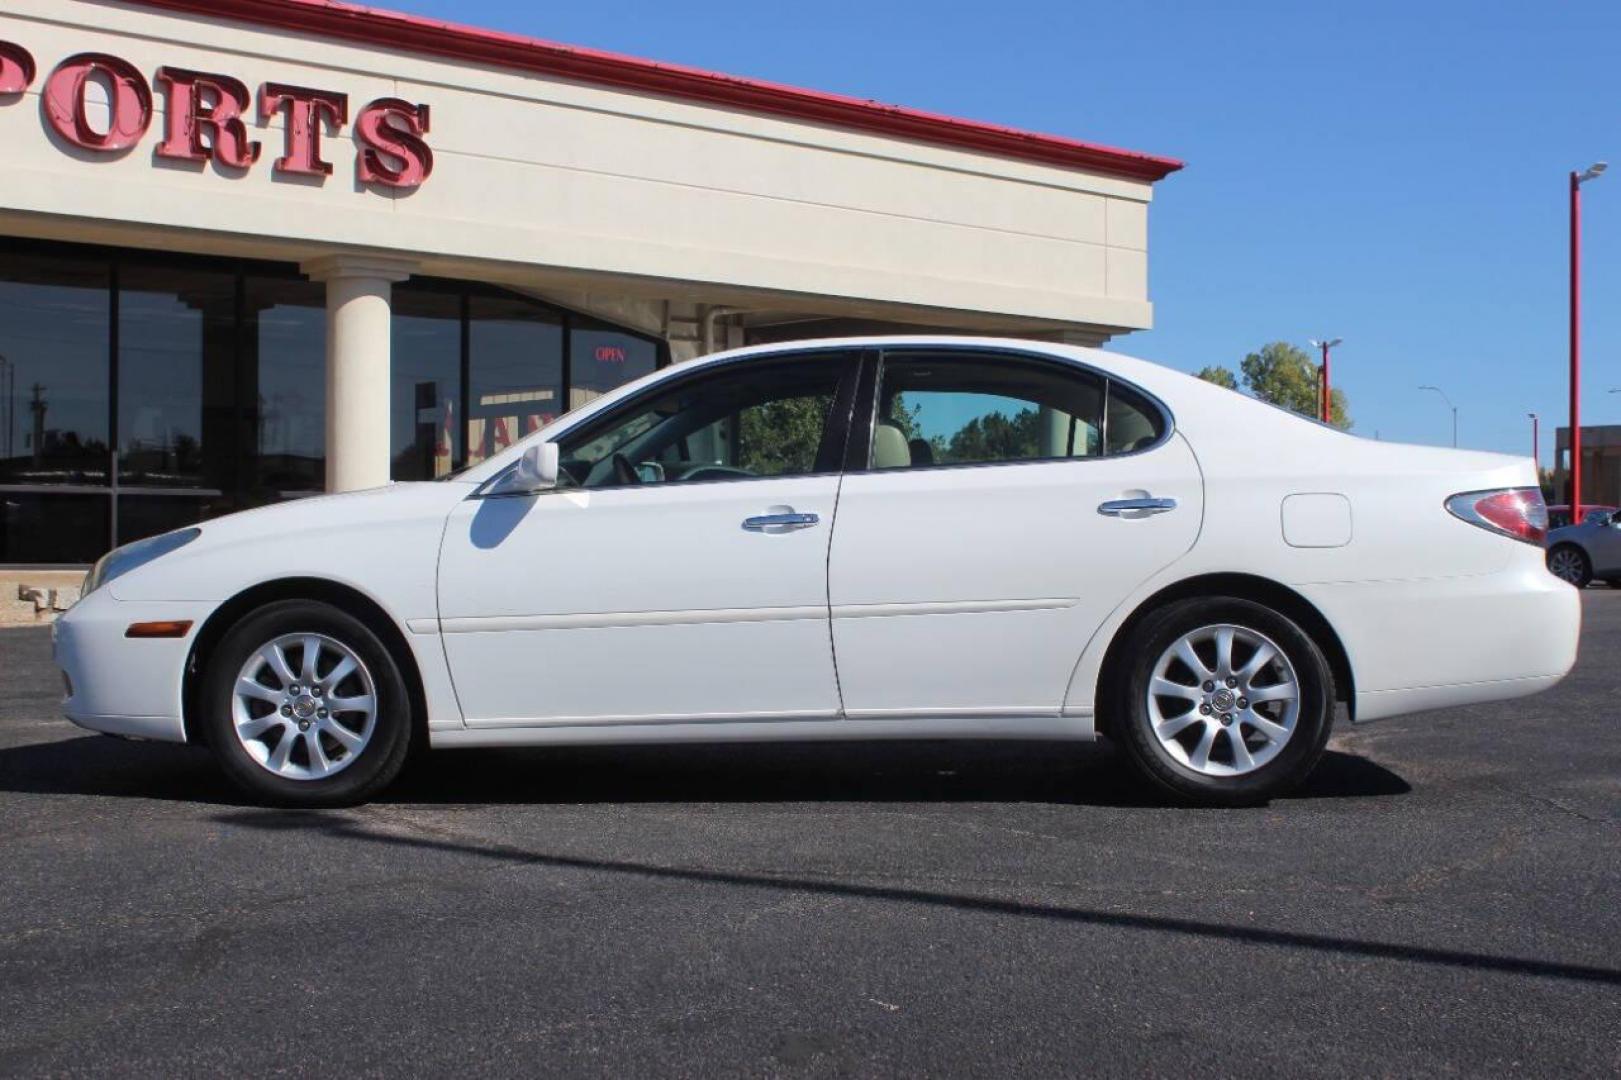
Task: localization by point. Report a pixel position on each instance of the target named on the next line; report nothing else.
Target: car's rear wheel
(1226, 702)
(1569, 563)
(305, 706)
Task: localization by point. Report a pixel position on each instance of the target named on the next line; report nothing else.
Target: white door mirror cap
(535, 471)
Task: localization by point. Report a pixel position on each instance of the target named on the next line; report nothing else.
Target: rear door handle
(1135, 508)
(780, 522)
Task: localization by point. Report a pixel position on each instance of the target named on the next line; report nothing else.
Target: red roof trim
(370, 26)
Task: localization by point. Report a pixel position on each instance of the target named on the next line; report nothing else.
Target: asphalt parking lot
(1444, 897)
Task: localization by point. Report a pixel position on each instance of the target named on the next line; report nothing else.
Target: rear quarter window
(1130, 422)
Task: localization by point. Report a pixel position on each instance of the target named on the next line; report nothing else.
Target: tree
(781, 436)
(997, 437)
(1286, 375)
(1215, 373)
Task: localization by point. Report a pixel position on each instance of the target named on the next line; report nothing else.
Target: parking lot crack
(1553, 804)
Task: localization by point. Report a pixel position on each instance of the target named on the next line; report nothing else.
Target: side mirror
(535, 471)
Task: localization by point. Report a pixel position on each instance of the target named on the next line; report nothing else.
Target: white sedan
(886, 538)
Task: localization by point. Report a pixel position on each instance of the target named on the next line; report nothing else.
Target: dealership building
(256, 249)
(1601, 464)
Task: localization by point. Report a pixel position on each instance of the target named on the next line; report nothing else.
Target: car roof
(1144, 373)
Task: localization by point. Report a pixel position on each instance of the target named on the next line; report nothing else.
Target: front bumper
(1444, 642)
(120, 685)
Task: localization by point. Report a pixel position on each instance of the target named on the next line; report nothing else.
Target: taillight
(1514, 512)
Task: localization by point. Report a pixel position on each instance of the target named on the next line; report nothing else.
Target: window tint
(755, 419)
(1133, 423)
(936, 409)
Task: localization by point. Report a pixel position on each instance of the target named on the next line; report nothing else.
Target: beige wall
(570, 189)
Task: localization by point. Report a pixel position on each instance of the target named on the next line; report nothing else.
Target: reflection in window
(940, 410)
(177, 420)
(765, 419)
(602, 358)
(221, 387)
(287, 331)
(423, 418)
(53, 370)
(52, 526)
(515, 372)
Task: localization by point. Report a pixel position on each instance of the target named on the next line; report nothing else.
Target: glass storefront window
(178, 421)
(176, 365)
(286, 331)
(602, 358)
(52, 526)
(424, 420)
(514, 372)
(54, 357)
(206, 380)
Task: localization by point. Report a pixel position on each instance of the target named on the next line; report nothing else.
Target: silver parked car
(1580, 553)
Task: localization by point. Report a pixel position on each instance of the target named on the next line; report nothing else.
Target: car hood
(1572, 532)
(372, 540)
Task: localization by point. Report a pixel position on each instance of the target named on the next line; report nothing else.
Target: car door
(1003, 506)
(1602, 539)
(678, 573)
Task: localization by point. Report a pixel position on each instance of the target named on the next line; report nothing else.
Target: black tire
(1583, 565)
(377, 762)
(1289, 765)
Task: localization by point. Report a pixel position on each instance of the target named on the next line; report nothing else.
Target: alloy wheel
(1223, 700)
(304, 706)
(1567, 565)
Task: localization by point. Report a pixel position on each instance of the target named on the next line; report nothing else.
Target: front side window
(940, 409)
(759, 419)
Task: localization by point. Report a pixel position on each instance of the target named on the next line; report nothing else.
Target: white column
(359, 316)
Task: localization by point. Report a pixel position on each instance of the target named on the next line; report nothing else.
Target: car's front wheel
(1569, 564)
(1225, 702)
(305, 706)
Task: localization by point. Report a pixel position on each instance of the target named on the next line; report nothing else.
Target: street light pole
(1325, 393)
(1536, 441)
(1577, 179)
(1451, 406)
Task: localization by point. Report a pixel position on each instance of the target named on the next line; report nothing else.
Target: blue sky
(1390, 173)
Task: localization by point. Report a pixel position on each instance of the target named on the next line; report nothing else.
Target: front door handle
(1135, 508)
(783, 522)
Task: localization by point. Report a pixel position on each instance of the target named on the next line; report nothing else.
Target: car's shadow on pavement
(921, 772)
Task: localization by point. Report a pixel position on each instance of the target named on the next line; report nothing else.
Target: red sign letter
(16, 69)
(394, 153)
(129, 110)
(308, 111)
(200, 104)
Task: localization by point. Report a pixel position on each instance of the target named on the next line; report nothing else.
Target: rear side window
(954, 408)
(944, 409)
